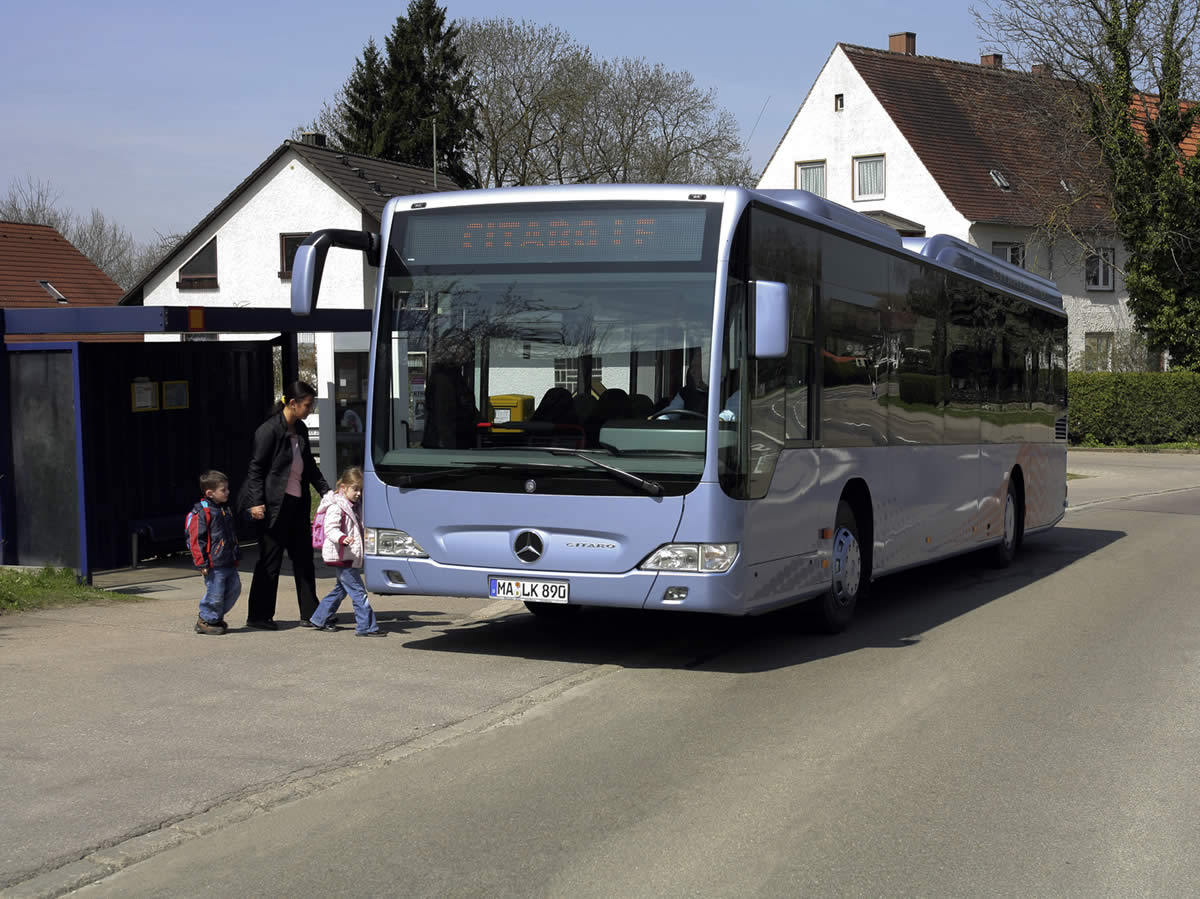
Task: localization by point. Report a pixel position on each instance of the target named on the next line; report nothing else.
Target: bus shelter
(103, 441)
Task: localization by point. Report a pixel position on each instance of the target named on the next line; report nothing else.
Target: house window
(288, 243)
(868, 178)
(200, 272)
(1099, 268)
(1097, 351)
(1013, 253)
(839, 102)
(566, 372)
(810, 176)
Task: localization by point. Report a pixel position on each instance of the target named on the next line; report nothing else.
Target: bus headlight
(692, 557)
(379, 542)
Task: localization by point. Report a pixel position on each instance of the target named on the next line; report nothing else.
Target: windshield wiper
(654, 488)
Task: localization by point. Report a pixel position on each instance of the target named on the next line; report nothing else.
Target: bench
(156, 529)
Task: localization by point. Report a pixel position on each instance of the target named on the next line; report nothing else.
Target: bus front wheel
(835, 608)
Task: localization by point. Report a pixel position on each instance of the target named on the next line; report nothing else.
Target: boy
(212, 538)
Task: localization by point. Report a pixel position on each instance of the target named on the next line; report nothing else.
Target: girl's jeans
(222, 586)
(349, 581)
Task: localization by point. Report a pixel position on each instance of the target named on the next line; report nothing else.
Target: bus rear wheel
(553, 611)
(834, 609)
(1006, 550)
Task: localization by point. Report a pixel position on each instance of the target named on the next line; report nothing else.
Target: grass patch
(23, 589)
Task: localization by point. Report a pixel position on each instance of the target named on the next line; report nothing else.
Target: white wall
(289, 197)
(862, 128)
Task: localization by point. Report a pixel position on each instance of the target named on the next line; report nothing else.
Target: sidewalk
(119, 719)
(1110, 475)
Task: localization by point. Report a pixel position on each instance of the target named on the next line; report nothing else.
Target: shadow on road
(897, 611)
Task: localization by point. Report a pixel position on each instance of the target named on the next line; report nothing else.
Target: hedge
(1131, 409)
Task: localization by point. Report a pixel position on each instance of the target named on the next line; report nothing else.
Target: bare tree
(522, 75)
(551, 113)
(105, 243)
(1121, 70)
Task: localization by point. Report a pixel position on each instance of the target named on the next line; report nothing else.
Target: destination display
(519, 236)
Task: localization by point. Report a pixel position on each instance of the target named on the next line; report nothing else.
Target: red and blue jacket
(212, 536)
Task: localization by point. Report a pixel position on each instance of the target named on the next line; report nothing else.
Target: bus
(693, 398)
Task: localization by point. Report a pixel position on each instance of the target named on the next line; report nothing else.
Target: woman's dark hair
(297, 391)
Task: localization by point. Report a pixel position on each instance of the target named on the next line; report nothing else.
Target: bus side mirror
(309, 263)
(771, 328)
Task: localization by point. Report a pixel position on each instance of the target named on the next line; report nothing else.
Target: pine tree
(360, 109)
(424, 83)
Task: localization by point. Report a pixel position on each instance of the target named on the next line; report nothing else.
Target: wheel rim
(1010, 521)
(847, 566)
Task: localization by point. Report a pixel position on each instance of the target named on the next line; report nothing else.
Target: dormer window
(1001, 181)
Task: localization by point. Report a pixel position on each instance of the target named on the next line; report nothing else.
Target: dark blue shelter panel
(44, 459)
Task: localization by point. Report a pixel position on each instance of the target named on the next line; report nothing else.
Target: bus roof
(941, 249)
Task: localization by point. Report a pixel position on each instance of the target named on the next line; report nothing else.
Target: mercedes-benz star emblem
(530, 485)
(528, 546)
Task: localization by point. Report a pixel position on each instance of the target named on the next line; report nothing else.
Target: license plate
(535, 591)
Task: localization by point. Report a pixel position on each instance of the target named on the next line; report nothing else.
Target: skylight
(1001, 181)
(53, 291)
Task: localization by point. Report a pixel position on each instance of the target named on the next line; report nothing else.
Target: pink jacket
(341, 520)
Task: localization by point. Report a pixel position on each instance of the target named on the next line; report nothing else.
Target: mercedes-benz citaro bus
(694, 398)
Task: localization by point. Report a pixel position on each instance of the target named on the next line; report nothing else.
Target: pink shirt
(293, 487)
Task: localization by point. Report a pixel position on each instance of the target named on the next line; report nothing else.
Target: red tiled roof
(33, 253)
(965, 120)
(1145, 106)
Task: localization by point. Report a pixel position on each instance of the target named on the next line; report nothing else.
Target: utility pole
(435, 151)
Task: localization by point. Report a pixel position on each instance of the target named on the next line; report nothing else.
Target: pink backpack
(318, 528)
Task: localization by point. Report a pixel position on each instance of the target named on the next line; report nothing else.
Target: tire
(1005, 551)
(553, 611)
(833, 610)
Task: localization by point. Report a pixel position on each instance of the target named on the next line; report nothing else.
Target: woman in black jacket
(276, 494)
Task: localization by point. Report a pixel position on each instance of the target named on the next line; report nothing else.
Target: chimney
(903, 42)
(992, 60)
(1040, 69)
(312, 138)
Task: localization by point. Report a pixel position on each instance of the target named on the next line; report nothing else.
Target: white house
(240, 255)
(936, 146)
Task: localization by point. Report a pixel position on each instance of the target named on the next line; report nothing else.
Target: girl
(343, 551)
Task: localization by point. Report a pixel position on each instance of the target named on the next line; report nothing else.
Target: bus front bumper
(679, 591)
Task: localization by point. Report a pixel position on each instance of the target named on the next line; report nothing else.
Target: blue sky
(152, 113)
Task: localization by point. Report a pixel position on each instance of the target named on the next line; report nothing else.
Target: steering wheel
(663, 413)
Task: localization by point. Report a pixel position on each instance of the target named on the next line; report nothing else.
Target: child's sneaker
(203, 627)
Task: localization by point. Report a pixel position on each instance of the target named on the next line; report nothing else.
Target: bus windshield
(516, 345)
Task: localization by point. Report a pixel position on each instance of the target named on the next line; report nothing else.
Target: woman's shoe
(370, 633)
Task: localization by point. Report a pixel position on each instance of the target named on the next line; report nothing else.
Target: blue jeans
(222, 586)
(349, 581)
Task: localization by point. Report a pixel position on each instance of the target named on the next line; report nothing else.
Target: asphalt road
(1026, 732)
